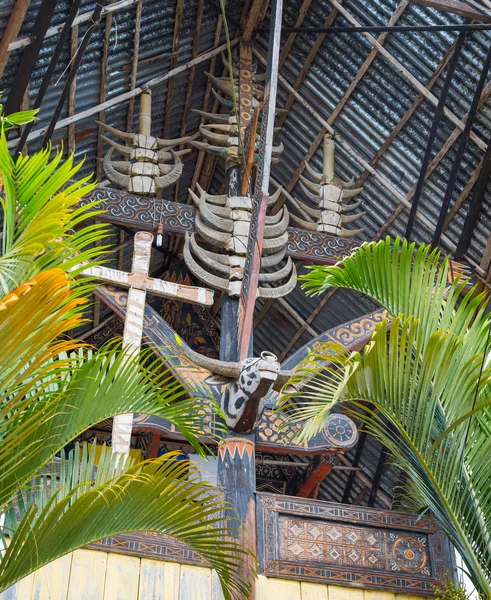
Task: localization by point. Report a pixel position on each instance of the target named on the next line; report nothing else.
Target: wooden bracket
(315, 474)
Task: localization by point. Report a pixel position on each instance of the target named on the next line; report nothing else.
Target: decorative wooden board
(145, 213)
(350, 545)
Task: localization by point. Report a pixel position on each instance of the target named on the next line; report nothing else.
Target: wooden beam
(134, 65)
(74, 66)
(459, 155)
(299, 320)
(30, 56)
(312, 316)
(103, 92)
(304, 9)
(377, 479)
(176, 39)
(410, 112)
(352, 151)
(192, 70)
(137, 212)
(401, 69)
(12, 30)
(382, 496)
(315, 474)
(333, 116)
(435, 126)
(253, 20)
(452, 138)
(250, 283)
(297, 84)
(126, 96)
(455, 7)
(476, 205)
(83, 18)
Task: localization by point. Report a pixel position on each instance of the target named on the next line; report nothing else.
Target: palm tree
(422, 387)
(52, 389)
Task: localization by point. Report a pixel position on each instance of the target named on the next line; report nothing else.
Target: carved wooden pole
(236, 457)
(261, 192)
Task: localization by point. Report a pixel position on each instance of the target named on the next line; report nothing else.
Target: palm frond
(41, 217)
(163, 495)
(426, 384)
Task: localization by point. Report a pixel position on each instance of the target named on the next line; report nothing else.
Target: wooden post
(236, 469)
(256, 232)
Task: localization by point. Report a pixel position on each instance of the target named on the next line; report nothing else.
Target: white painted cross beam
(139, 283)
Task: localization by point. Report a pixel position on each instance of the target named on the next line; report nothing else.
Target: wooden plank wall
(95, 575)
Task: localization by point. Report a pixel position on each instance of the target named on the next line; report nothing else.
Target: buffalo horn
(273, 245)
(347, 194)
(278, 149)
(226, 64)
(166, 181)
(282, 290)
(273, 199)
(175, 142)
(121, 180)
(347, 207)
(313, 187)
(309, 194)
(212, 280)
(125, 150)
(122, 135)
(349, 233)
(218, 367)
(123, 166)
(277, 275)
(346, 219)
(228, 104)
(312, 173)
(215, 138)
(215, 238)
(214, 117)
(216, 261)
(273, 259)
(214, 220)
(208, 148)
(305, 224)
(273, 231)
(220, 200)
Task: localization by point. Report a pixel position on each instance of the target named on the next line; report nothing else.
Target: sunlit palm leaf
(40, 217)
(162, 495)
(427, 385)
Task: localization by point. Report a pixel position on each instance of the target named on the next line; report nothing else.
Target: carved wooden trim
(350, 545)
(142, 213)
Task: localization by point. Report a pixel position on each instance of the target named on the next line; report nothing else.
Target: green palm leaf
(161, 495)
(426, 384)
(40, 225)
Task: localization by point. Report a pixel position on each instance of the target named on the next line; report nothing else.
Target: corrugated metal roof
(381, 98)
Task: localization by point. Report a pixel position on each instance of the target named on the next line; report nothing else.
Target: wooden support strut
(315, 474)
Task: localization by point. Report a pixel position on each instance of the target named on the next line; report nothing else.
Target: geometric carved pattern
(336, 543)
(145, 214)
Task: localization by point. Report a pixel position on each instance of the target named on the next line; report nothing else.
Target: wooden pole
(11, 31)
(248, 294)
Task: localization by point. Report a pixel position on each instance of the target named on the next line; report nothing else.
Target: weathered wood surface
(146, 579)
(143, 213)
(343, 545)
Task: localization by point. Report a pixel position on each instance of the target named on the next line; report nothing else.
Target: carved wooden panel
(336, 543)
(143, 213)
